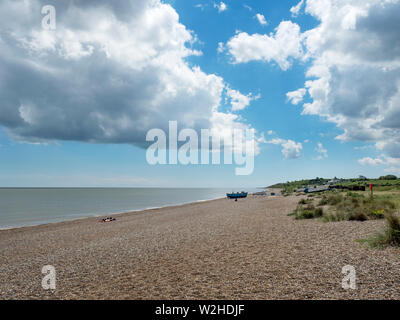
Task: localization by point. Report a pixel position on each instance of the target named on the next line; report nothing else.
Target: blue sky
(42, 152)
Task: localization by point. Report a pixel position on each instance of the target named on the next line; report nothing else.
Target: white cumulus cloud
(279, 47)
(295, 97)
(110, 72)
(368, 161)
(353, 79)
(261, 19)
(290, 148)
(355, 55)
(296, 9)
(221, 6)
(240, 101)
(322, 152)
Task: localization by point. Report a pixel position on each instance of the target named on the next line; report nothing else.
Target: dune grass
(350, 206)
(354, 206)
(308, 211)
(333, 206)
(390, 236)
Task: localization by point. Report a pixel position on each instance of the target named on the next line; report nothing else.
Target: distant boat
(237, 195)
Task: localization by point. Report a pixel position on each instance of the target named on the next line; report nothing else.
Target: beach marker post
(371, 186)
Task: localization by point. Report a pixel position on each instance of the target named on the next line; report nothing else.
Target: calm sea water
(33, 206)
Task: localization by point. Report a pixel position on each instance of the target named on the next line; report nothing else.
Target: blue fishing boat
(237, 195)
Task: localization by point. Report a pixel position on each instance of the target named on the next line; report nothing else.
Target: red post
(371, 188)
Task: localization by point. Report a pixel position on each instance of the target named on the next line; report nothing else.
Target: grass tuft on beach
(390, 236)
(308, 211)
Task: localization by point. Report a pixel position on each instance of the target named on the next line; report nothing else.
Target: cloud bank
(354, 74)
(108, 73)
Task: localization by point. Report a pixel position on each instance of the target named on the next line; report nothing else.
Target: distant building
(334, 180)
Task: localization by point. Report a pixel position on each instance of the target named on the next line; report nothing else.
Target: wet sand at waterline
(218, 249)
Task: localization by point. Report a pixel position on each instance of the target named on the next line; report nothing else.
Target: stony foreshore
(218, 249)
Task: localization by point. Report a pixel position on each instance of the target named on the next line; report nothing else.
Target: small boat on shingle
(237, 195)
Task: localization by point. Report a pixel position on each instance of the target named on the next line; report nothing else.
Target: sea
(34, 206)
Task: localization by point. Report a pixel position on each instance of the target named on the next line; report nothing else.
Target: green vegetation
(384, 183)
(351, 206)
(337, 204)
(330, 199)
(379, 184)
(289, 187)
(390, 236)
(305, 201)
(388, 177)
(308, 211)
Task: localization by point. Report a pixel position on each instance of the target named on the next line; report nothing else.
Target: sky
(317, 80)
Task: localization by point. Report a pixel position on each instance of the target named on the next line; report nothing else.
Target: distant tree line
(388, 177)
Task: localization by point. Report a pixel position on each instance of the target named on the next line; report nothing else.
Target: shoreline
(209, 250)
(97, 216)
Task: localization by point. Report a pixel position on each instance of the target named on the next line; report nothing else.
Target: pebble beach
(219, 249)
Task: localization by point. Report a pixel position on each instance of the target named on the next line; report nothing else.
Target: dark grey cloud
(382, 26)
(355, 55)
(355, 92)
(111, 71)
